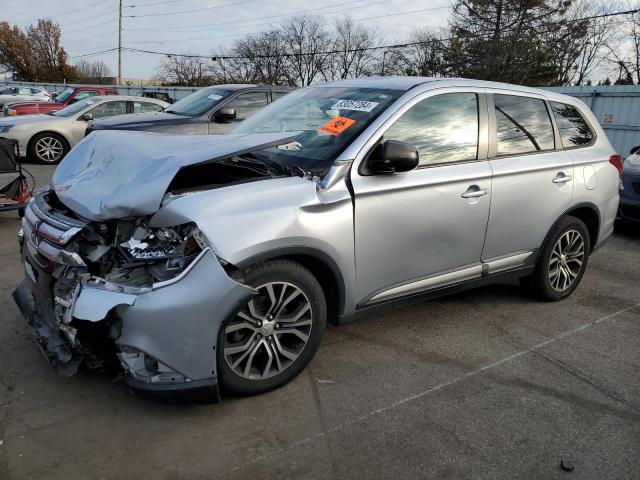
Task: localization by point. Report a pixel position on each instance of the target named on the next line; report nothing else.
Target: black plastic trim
(303, 250)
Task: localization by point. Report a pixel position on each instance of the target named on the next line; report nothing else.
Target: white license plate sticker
(357, 105)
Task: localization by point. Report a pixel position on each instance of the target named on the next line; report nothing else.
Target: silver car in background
(23, 94)
(47, 138)
(203, 261)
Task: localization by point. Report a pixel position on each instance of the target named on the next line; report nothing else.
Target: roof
(406, 83)
(125, 97)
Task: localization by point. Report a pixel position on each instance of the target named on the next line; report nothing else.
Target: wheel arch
(590, 215)
(320, 264)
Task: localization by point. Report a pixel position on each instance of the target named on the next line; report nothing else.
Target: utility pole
(119, 42)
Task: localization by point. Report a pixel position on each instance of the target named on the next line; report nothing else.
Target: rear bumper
(629, 210)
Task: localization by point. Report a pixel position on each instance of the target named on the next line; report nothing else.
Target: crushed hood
(120, 174)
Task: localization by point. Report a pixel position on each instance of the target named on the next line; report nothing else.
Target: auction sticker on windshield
(337, 125)
(358, 105)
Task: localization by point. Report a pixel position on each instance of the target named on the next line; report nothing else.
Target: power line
(91, 26)
(95, 53)
(208, 37)
(193, 11)
(153, 3)
(65, 13)
(315, 9)
(379, 47)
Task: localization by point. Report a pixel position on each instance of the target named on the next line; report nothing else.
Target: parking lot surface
(484, 384)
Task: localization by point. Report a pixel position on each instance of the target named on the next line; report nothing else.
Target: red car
(70, 95)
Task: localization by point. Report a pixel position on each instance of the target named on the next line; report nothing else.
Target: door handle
(562, 178)
(474, 192)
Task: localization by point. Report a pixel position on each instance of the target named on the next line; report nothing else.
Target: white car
(23, 94)
(48, 137)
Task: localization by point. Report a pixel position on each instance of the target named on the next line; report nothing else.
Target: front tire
(275, 336)
(48, 148)
(562, 262)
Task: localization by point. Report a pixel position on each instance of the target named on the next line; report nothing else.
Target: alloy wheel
(566, 260)
(49, 149)
(268, 335)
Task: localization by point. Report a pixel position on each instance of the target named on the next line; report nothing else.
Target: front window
(328, 119)
(444, 129)
(65, 94)
(74, 108)
(199, 102)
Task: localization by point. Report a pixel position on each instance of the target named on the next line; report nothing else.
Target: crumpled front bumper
(168, 332)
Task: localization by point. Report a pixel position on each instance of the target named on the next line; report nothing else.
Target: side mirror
(225, 114)
(87, 117)
(393, 156)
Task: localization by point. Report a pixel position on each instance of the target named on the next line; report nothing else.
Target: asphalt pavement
(486, 384)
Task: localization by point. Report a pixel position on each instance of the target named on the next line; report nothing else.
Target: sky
(200, 26)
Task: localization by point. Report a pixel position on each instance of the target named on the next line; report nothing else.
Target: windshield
(74, 108)
(329, 118)
(65, 95)
(199, 102)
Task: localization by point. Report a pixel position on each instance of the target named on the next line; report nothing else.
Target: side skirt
(416, 298)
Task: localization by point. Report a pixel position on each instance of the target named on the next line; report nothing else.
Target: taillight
(617, 161)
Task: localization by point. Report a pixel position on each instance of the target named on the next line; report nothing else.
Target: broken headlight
(167, 250)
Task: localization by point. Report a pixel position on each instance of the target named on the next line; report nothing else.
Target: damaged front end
(105, 294)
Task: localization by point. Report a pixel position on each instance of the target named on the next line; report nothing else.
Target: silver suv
(198, 261)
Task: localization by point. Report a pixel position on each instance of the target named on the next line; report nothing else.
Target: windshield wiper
(270, 164)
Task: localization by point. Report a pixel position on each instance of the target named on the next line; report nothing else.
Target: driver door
(425, 228)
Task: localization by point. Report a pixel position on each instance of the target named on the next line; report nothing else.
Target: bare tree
(184, 71)
(266, 53)
(580, 41)
(426, 55)
(92, 71)
(352, 44)
(308, 41)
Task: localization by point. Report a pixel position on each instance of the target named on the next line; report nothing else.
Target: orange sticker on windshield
(337, 125)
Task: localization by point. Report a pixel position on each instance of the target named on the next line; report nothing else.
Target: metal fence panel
(617, 108)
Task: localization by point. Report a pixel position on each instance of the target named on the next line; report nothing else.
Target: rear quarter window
(572, 126)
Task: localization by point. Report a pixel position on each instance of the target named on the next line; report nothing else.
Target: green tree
(514, 41)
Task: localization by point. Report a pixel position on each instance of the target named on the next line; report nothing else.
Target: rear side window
(523, 125)
(141, 107)
(574, 129)
(86, 93)
(444, 128)
(247, 104)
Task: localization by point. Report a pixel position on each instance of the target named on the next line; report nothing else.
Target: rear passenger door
(532, 177)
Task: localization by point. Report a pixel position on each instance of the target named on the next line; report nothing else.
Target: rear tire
(562, 261)
(47, 148)
(275, 336)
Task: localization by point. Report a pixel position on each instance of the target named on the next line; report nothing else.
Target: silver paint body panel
(387, 236)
